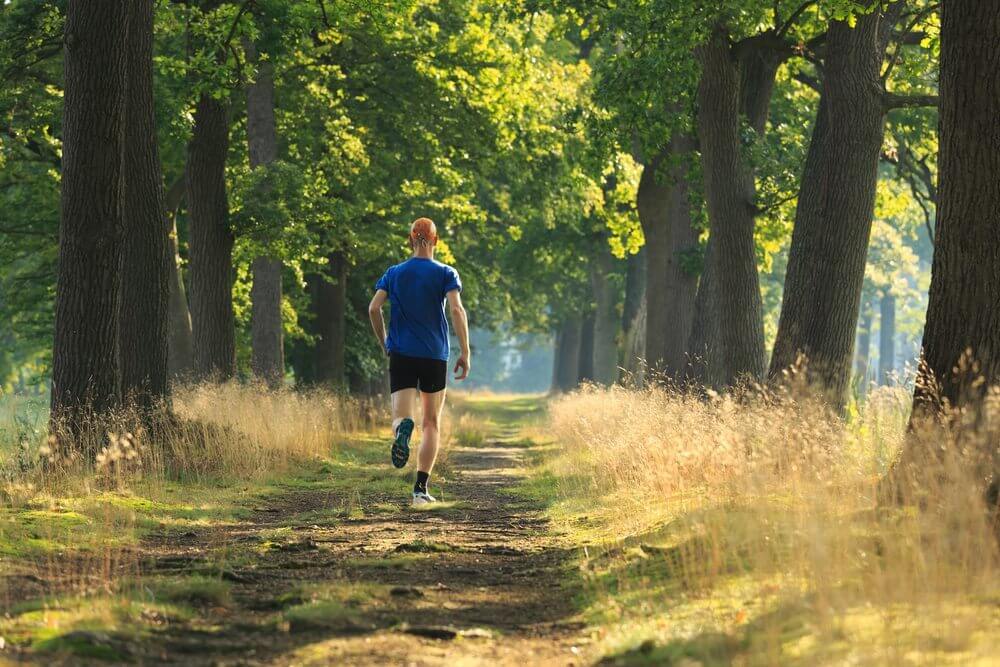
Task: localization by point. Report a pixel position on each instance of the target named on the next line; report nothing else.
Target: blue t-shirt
(417, 289)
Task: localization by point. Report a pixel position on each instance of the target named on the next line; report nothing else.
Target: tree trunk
(266, 332)
(703, 363)
(84, 359)
(635, 296)
(635, 349)
(144, 294)
(826, 261)
(585, 366)
(635, 287)
(729, 198)
(757, 60)
(665, 213)
(210, 245)
(567, 357)
(606, 317)
(864, 349)
(266, 327)
(963, 314)
(887, 339)
(180, 342)
(328, 295)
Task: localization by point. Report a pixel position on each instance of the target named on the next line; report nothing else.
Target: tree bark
(635, 296)
(635, 287)
(266, 331)
(963, 314)
(606, 317)
(180, 342)
(887, 338)
(961, 342)
(757, 60)
(567, 357)
(826, 261)
(84, 358)
(266, 327)
(585, 365)
(864, 349)
(143, 297)
(665, 214)
(703, 363)
(328, 295)
(210, 244)
(729, 198)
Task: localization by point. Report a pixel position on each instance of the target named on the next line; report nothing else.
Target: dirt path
(478, 581)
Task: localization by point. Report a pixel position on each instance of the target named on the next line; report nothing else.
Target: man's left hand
(464, 364)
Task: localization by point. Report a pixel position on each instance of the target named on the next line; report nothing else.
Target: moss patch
(196, 590)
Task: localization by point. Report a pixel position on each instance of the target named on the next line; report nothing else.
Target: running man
(418, 346)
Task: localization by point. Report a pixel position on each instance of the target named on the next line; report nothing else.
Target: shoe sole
(401, 445)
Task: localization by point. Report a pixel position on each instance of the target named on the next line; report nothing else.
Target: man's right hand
(464, 364)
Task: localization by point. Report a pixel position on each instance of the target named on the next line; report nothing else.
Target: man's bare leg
(430, 436)
(404, 406)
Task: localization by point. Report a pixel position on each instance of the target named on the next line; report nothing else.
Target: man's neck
(424, 254)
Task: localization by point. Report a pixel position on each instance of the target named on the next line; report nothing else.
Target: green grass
(68, 518)
(23, 423)
(91, 522)
(424, 546)
(336, 607)
(89, 627)
(74, 519)
(199, 591)
(404, 562)
(504, 411)
(81, 645)
(31, 534)
(330, 615)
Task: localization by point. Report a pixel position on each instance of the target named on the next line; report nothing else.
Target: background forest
(556, 145)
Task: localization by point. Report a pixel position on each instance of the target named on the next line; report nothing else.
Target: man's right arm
(375, 315)
(460, 320)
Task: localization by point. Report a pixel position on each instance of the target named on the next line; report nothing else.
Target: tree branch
(897, 52)
(761, 210)
(807, 80)
(794, 17)
(236, 22)
(894, 101)
(322, 11)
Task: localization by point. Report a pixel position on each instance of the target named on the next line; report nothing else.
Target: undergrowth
(725, 530)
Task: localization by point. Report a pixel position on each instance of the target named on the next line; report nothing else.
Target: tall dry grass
(229, 430)
(85, 493)
(779, 490)
(244, 430)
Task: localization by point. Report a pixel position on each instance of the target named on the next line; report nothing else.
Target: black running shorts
(427, 375)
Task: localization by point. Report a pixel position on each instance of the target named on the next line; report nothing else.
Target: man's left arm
(375, 315)
(460, 320)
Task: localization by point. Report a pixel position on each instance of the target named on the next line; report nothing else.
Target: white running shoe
(423, 498)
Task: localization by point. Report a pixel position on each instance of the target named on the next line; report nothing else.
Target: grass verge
(748, 533)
